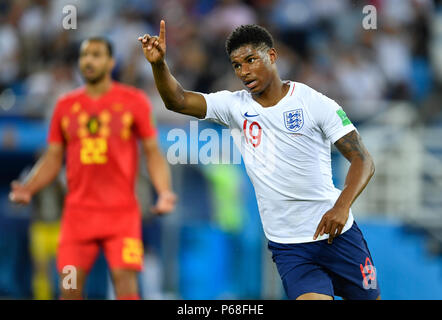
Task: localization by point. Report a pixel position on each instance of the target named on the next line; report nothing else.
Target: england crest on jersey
(294, 120)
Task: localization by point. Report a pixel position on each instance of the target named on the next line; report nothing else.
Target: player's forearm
(359, 174)
(43, 173)
(170, 90)
(159, 172)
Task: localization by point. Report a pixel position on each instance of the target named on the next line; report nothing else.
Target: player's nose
(244, 72)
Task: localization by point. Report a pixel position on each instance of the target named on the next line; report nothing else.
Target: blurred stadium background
(388, 80)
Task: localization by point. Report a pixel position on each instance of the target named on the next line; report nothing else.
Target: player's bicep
(150, 147)
(55, 133)
(219, 105)
(56, 150)
(194, 105)
(351, 146)
(54, 155)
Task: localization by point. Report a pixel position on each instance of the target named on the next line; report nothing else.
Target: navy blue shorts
(344, 268)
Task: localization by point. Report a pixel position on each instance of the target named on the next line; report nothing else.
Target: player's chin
(255, 90)
(93, 79)
(88, 77)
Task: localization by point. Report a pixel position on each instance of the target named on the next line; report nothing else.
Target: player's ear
(112, 63)
(272, 55)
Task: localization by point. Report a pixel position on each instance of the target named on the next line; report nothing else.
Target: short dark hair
(248, 34)
(107, 43)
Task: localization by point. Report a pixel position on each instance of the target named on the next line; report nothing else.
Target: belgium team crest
(294, 120)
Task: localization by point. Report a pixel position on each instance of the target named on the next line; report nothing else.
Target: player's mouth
(251, 83)
(88, 71)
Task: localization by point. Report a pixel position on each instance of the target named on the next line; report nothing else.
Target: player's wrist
(166, 194)
(159, 64)
(342, 206)
(29, 188)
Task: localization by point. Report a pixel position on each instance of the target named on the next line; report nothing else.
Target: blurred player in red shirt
(97, 127)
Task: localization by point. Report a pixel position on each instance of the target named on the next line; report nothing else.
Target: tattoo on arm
(351, 146)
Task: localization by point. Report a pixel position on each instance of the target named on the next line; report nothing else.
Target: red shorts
(118, 233)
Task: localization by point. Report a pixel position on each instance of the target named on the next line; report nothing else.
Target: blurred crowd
(320, 42)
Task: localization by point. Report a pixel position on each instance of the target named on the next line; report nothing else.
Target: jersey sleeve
(330, 117)
(55, 134)
(144, 120)
(218, 106)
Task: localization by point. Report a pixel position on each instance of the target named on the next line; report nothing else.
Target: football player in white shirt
(287, 130)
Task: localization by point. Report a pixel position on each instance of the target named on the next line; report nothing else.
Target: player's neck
(96, 90)
(272, 94)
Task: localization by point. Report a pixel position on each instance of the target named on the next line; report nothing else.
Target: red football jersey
(100, 136)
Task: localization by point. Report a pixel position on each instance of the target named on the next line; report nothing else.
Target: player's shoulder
(239, 95)
(311, 97)
(303, 90)
(128, 91)
(231, 96)
(70, 97)
(131, 98)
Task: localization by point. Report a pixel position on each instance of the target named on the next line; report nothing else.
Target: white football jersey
(286, 151)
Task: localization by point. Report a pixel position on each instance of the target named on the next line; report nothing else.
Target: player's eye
(251, 60)
(236, 66)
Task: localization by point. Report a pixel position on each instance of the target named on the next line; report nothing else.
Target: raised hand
(154, 47)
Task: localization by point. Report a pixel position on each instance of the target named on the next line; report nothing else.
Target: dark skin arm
(172, 93)
(359, 174)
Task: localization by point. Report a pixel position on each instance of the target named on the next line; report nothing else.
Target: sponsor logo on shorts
(368, 275)
(132, 252)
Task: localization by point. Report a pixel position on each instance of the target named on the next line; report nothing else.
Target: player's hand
(19, 193)
(332, 223)
(165, 203)
(154, 47)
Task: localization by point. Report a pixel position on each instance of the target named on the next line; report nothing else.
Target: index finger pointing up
(162, 31)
